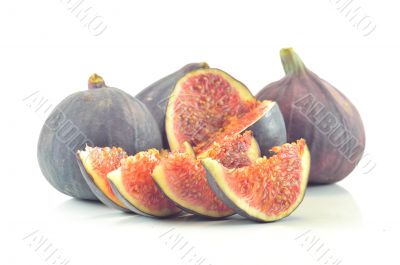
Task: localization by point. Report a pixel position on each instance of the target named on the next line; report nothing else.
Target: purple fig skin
(156, 96)
(98, 116)
(270, 130)
(315, 110)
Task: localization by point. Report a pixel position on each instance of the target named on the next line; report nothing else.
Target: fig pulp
(313, 109)
(134, 186)
(182, 178)
(208, 104)
(268, 189)
(156, 96)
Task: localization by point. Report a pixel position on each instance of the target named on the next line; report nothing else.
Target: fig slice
(182, 178)
(95, 163)
(208, 104)
(133, 185)
(267, 190)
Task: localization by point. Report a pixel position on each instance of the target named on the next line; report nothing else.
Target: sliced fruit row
(234, 179)
(151, 182)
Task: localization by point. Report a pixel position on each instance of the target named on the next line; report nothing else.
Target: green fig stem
(292, 64)
(95, 81)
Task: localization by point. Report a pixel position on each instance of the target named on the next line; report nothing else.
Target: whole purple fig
(313, 109)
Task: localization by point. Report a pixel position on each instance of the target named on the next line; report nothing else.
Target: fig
(95, 163)
(268, 189)
(134, 186)
(99, 116)
(208, 104)
(182, 178)
(313, 109)
(156, 96)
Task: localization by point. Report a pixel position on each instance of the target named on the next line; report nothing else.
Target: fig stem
(95, 81)
(292, 64)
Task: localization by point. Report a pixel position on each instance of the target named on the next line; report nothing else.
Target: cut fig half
(208, 104)
(267, 190)
(183, 180)
(95, 163)
(155, 96)
(133, 185)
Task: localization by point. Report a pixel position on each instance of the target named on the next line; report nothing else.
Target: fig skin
(315, 110)
(156, 95)
(98, 116)
(270, 130)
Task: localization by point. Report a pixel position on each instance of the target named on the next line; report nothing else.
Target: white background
(45, 47)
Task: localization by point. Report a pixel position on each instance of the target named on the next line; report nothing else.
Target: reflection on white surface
(323, 206)
(329, 205)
